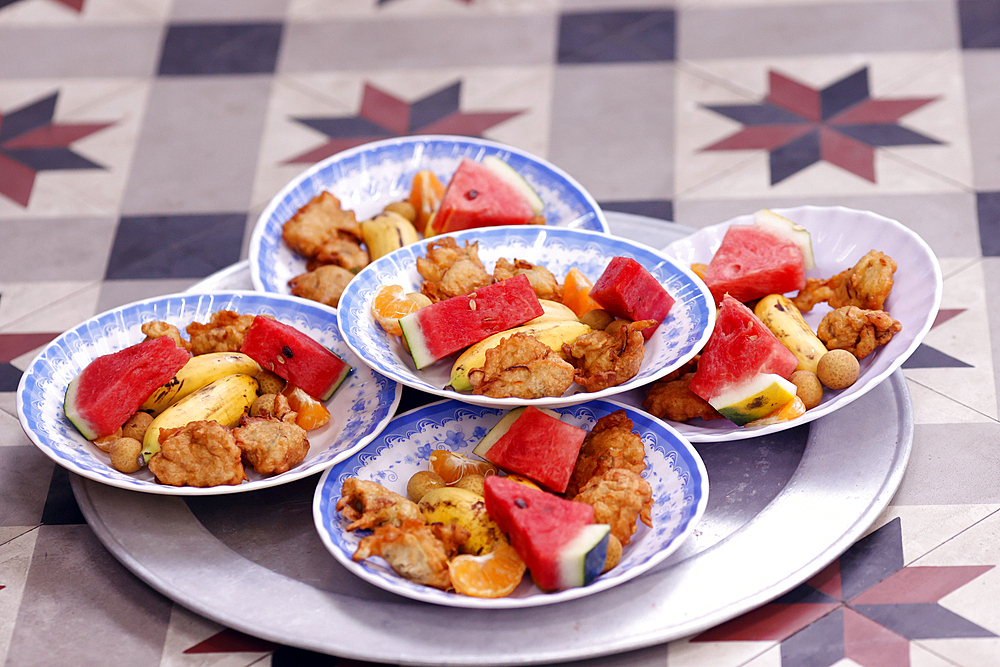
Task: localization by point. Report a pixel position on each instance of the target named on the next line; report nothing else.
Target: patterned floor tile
(79, 244)
(620, 36)
(116, 293)
(15, 559)
(228, 10)
(96, 51)
(687, 653)
(193, 640)
(983, 98)
(988, 206)
(311, 10)
(979, 21)
(25, 477)
(51, 307)
(952, 464)
(925, 528)
(81, 12)
(219, 48)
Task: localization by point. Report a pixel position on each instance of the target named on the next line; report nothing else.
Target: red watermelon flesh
(113, 387)
(627, 290)
(752, 263)
(445, 327)
(740, 347)
(540, 447)
(295, 356)
(477, 197)
(556, 538)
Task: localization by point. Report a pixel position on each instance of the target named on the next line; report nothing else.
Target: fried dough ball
(521, 366)
(136, 425)
(611, 443)
(125, 452)
(272, 445)
(157, 329)
(856, 330)
(316, 224)
(324, 284)
(415, 550)
(605, 359)
(866, 285)
(343, 251)
(224, 332)
(673, 399)
(618, 496)
(369, 505)
(203, 453)
(541, 279)
(449, 270)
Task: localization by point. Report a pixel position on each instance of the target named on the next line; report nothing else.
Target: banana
(785, 321)
(554, 312)
(452, 504)
(552, 333)
(199, 371)
(224, 401)
(386, 232)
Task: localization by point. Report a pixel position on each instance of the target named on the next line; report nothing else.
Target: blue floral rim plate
(361, 407)
(674, 470)
(675, 341)
(368, 177)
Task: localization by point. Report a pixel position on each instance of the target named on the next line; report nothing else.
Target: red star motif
(232, 641)
(75, 5)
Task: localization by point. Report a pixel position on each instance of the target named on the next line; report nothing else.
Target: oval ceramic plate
(674, 470)
(840, 237)
(368, 177)
(676, 340)
(361, 407)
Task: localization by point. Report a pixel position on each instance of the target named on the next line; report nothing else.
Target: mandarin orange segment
(390, 304)
(576, 293)
(311, 413)
(700, 270)
(425, 196)
(453, 467)
(492, 575)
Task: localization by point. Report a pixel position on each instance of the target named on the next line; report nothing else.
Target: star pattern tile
(841, 124)
(75, 5)
(231, 641)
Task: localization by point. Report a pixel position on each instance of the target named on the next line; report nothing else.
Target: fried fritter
(369, 505)
(866, 285)
(415, 550)
(619, 496)
(203, 453)
(611, 443)
(343, 251)
(270, 444)
(324, 284)
(605, 359)
(223, 333)
(317, 223)
(856, 330)
(449, 270)
(156, 329)
(522, 367)
(672, 399)
(541, 279)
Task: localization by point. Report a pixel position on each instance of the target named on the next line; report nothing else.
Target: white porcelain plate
(361, 407)
(840, 237)
(676, 340)
(673, 469)
(368, 177)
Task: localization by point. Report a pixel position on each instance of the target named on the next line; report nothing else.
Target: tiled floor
(139, 140)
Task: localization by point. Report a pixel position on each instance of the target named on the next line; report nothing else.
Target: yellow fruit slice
(390, 304)
(754, 399)
(492, 575)
(453, 467)
(794, 408)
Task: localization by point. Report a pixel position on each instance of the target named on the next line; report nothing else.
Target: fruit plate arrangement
(840, 237)
(368, 177)
(674, 470)
(361, 407)
(675, 341)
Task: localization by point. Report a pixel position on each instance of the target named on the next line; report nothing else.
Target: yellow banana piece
(553, 334)
(455, 505)
(386, 232)
(224, 401)
(554, 312)
(199, 371)
(780, 315)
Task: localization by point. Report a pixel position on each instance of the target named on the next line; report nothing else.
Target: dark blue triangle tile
(60, 504)
(926, 356)
(57, 157)
(212, 49)
(820, 644)
(348, 127)
(885, 134)
(794, 156)
(922, 621)
(872, 558)
(10, 376)
(662, 209)
(23, 120)
(844, 94)
(617, 36)
(979, 23)
(757, 114)
(988, 209)
(806, 594)
(435, 106)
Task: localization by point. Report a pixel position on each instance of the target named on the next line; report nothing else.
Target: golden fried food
(202, 453)
(343, 251)
(857, 330)
(223, 333)
(449, 270)
(156, 329)
(672, 399)
(369, 505)
(866, 285)
(319, 222)
(619, 496)
(611, 443)
(415, 550)
(604, 359)
(521, 366)
(270, 444)
(324, 284)
(541, 279)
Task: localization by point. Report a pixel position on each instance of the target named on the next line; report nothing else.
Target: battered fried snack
(369, 505)
(672, 399)
(522, 367)
(343, 251)
(324, 284)
(541, 279)
(223, 333)
(619, 496)
(611, 443)
(605, 359)
(156, 329)
(449, 270)
(856, 330)
(202, 453)
(270, 444)
(866, 285)
(318, 223)
(415, 550)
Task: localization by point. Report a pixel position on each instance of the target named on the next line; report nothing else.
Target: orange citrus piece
(790, 410)
(576, 293)
(425, 196)
(453, 467)
(390, 304)
(492, 575)
(699, 270)
(311, 413)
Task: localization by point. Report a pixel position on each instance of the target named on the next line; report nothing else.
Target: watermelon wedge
(481, 195)
(113, 386)
(627, 290)
(556, 538)
(753, 262)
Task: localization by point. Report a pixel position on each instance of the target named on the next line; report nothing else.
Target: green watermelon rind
(584, 557)
(726, 402)
(85, 427)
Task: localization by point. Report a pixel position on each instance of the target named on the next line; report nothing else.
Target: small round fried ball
(270, 382)
(838, 369)
(136, 425)
(125, 454)
(422, 482)
(263, 402)
(403, 208)
(474, 482)
(104, 444)
(614, 553)
(597, 318)
(808, 388)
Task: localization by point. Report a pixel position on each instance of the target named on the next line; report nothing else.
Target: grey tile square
(982, 101)
(228, 10)
(55, 249)
(952, 464)
(116, 293)
(36, 52)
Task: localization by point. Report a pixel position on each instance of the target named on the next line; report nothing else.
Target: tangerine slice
(311, 413)
(576, 293)
(453, 467)
(790, 410)
(390, 304)
(425, 197)
(492, 575)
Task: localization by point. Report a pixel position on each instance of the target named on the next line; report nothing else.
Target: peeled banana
(554, 312)
(386, 232)
(455, 505)
(780, 315)
(552, 333)
(199, 371)
(224, 400)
